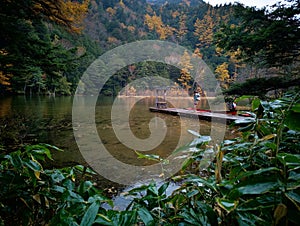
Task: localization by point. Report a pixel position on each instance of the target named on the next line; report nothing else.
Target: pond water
(49, 120)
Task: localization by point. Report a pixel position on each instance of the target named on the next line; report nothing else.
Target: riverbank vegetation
(250, 180)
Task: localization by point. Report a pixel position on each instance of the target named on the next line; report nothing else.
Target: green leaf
(192, 193)
(228, 205)
(42, 150)
(15, 160)
(294, 176)
(148, 157)
(82, 169)
(194, 133)
(200, 140)
(255, 104)
(162, 189)
(294, 197)
(244, 121)
(292, 120)
(90, 215)
(249, 219)
(257, 172)
(103, 220)
(187, 162)
(289, 159)
(256, 188)
(146, 216)
(34, 165)
(57, 176)
(296, 108)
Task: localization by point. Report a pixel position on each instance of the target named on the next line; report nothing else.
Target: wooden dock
(204, 115)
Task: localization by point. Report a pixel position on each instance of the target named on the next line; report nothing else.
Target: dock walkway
(201, 114)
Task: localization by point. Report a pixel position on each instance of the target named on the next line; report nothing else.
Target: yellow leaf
(268, 137)
(37, 198)
(37, 174)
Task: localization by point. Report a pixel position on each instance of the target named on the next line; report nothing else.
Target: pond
(43, 119)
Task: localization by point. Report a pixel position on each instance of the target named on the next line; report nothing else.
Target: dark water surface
(49, 120)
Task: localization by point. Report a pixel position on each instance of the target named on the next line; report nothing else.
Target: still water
(49, 120)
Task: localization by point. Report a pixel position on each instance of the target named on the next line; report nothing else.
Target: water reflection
(49, 120)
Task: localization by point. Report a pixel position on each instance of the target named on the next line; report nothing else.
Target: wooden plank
(201, 115)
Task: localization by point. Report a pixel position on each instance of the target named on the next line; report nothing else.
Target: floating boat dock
(204, 115)
(161, 106)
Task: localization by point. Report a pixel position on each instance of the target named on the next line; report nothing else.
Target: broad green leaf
(294, 197)
(200, 181)
(192, 193)
(186, 163)
(53, 147)
(293, 185)
(194, 133)
(294, 176)
(146, 216)
(34, 165)
(162, 189)
(100, 199)
(256, 188)
(15, 160)
(57, 176)
(153, 189)
(289, 159)
(249, 219)
(103, 220)
(39, 149)
(255, 104)
(265, 105)
(257, 172)
(292, 120)
(228, 205)
(296, 108)
(229, 142)
(259, 188)
(90, 215)
(148, 157)
(244, 121)
(265, 201)
(244, 97)
(85, 186)
(200, 140)
(59, 189)
(84, 169)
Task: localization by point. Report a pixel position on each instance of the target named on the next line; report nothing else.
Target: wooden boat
(161, 107)
(201, 114)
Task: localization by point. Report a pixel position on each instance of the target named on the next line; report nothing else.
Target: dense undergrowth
(253, 179)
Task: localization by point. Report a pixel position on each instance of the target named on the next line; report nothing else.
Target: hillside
(108, 24)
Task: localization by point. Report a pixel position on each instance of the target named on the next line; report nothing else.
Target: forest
(46, 46)
(250, 179)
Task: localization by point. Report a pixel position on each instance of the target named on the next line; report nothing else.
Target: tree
(28, 48)
(155, 23)
(268, 37)
(182, 31)
(222, 75)
(204, 30)
(185, 72)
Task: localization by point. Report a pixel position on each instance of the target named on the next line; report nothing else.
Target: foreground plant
(251, 180)
(32, 195)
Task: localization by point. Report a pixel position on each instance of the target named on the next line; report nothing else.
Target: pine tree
(222, 75)
(185, 72)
